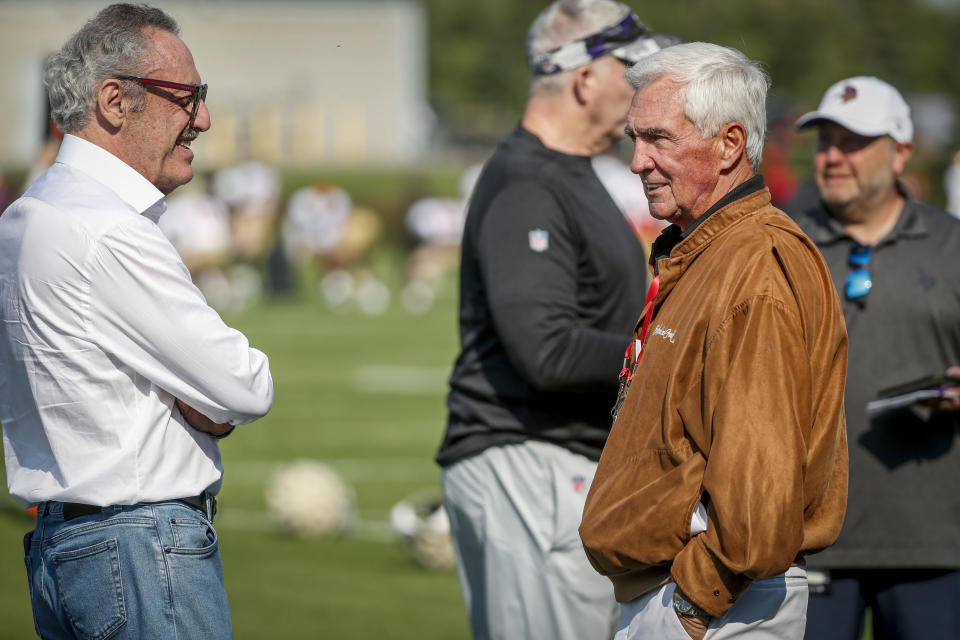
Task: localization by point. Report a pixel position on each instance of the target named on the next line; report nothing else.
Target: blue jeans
(130, 572)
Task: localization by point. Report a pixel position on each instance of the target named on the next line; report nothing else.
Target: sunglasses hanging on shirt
(859, 282)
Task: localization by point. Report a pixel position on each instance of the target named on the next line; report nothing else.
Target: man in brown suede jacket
(727, 461)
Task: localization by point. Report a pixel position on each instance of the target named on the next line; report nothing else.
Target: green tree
(479, 76)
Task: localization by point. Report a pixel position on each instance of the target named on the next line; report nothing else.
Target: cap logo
(849, 93)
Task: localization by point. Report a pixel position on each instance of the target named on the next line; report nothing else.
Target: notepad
(902, 395)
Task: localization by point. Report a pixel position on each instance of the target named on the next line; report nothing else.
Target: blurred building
(292, 83)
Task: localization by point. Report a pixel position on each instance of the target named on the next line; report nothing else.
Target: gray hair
(721, 85)
(565, 21)
(110, 44)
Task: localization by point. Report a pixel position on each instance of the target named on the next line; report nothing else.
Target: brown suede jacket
(737, 402)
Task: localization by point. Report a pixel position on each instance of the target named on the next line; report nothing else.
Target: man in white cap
(894, 263)
(551, 283)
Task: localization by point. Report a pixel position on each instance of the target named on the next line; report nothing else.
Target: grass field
(364, 394)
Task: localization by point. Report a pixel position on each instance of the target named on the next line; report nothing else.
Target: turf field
(364, 394)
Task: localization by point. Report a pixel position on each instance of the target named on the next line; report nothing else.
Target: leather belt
(205, 502)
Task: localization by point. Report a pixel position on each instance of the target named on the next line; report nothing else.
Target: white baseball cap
(865, 105)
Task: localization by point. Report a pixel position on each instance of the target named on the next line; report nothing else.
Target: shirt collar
(113, 173)
(825, 229)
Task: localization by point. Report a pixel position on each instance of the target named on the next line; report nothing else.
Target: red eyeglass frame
(199, 91)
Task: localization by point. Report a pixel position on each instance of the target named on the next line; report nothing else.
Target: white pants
(770, 609)
(515, 512)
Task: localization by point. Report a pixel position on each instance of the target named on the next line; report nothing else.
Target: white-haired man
(726, 463)
(116, 378)
(552, 279)
(894, 263)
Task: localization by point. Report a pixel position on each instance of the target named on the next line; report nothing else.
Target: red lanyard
(637, 345)
(648, 313)
(626, 373)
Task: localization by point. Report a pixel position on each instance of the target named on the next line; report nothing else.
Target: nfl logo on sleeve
(539, 240)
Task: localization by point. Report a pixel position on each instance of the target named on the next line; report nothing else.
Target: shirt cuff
(698, 521)
(226, 433)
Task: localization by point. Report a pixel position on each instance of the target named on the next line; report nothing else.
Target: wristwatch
(684, 608)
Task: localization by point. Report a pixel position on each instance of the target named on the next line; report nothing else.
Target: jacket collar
(741, 190)
(681, 251)
(672, 235)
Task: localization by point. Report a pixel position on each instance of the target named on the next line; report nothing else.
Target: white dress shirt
(100, 329)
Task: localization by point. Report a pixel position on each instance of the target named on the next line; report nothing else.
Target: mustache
(189, 134)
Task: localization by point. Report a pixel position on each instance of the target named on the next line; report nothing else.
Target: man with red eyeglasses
(894, 263)
(116, 378)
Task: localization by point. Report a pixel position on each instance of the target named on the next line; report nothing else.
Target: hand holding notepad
(941, 391)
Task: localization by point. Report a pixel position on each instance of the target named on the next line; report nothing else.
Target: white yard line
(353, 470)
(401, 379)
(373, 526)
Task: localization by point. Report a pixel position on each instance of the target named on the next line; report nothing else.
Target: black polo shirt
(904, 503)
(551, 283)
